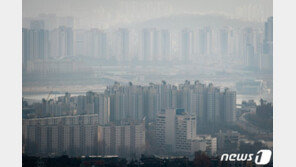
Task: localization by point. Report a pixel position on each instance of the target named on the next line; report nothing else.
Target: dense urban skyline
(130, 120)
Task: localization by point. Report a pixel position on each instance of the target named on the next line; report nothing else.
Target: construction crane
(48, 96)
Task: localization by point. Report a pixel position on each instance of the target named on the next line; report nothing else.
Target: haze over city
(106, 13)
(147, 78)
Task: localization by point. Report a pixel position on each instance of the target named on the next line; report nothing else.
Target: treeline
(263, 118)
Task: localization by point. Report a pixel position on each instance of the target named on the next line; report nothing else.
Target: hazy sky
(110, 12)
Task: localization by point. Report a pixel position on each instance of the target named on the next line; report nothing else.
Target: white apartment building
(73, 135)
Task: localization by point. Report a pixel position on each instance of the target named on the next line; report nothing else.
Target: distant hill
(191, 21)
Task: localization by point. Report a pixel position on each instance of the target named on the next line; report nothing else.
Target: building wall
(74, 135)
(125, 140)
